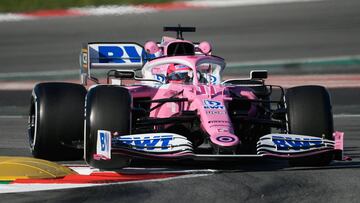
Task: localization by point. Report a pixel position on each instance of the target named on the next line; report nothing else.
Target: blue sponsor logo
(287, 143)
(116, 54)
(212, 79)
(180, 66)
(148, 143)
(160, 78)
(104, 141)
(210, 104)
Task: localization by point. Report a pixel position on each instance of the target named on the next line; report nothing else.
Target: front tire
(108, 108)
(56, 121)
(309, 112)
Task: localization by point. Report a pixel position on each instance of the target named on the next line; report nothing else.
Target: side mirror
(151, 47)
(205, 47)
(258, 74)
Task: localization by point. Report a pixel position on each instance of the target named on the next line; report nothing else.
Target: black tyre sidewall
(60, 114)
(108, 107)
(309, 112)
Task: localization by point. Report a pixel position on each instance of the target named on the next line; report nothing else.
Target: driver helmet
(178, 73)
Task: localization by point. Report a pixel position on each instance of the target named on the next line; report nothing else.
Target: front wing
(169, 146)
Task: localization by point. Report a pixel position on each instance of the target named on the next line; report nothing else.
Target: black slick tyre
(56, 121)
(309, 112)
(108, 107)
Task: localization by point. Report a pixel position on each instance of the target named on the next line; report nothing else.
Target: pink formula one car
(171, 105)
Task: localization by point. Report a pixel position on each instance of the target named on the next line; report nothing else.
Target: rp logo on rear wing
(111, 56)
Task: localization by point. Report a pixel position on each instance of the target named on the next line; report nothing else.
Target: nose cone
(225, 140)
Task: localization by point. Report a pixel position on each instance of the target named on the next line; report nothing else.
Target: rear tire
(108, 108)
(309, 113)
(56, 121)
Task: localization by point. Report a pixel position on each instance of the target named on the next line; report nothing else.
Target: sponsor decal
(160, 78)
(103, 145)
(118, 53)
(180, 66)
(216, 112)
(287, 143)
(216, 121)
(213, 79)
(84, 58)
(114, 54)
(148, 142)
(153, 142)
(291, 144)
(211, 104)
(225, 139)
(223, 130)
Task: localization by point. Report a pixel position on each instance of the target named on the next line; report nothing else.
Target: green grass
(31, 5)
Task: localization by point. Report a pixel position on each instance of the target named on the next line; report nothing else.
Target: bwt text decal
(120, 53)
(148, 143)
(287, 143)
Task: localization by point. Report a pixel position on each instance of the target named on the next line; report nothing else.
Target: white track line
(86, 170)
(4, 17)
(139, 9)
(19, 187)
(230, 3)
(347, 116)
(13, 117)
(12, 188)
(112, 10)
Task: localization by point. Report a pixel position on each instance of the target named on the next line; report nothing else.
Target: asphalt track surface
(283, 31)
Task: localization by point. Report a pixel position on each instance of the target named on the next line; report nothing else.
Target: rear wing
(109, 55)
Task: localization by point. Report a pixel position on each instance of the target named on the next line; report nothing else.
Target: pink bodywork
(215, 122)
(209, 100)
